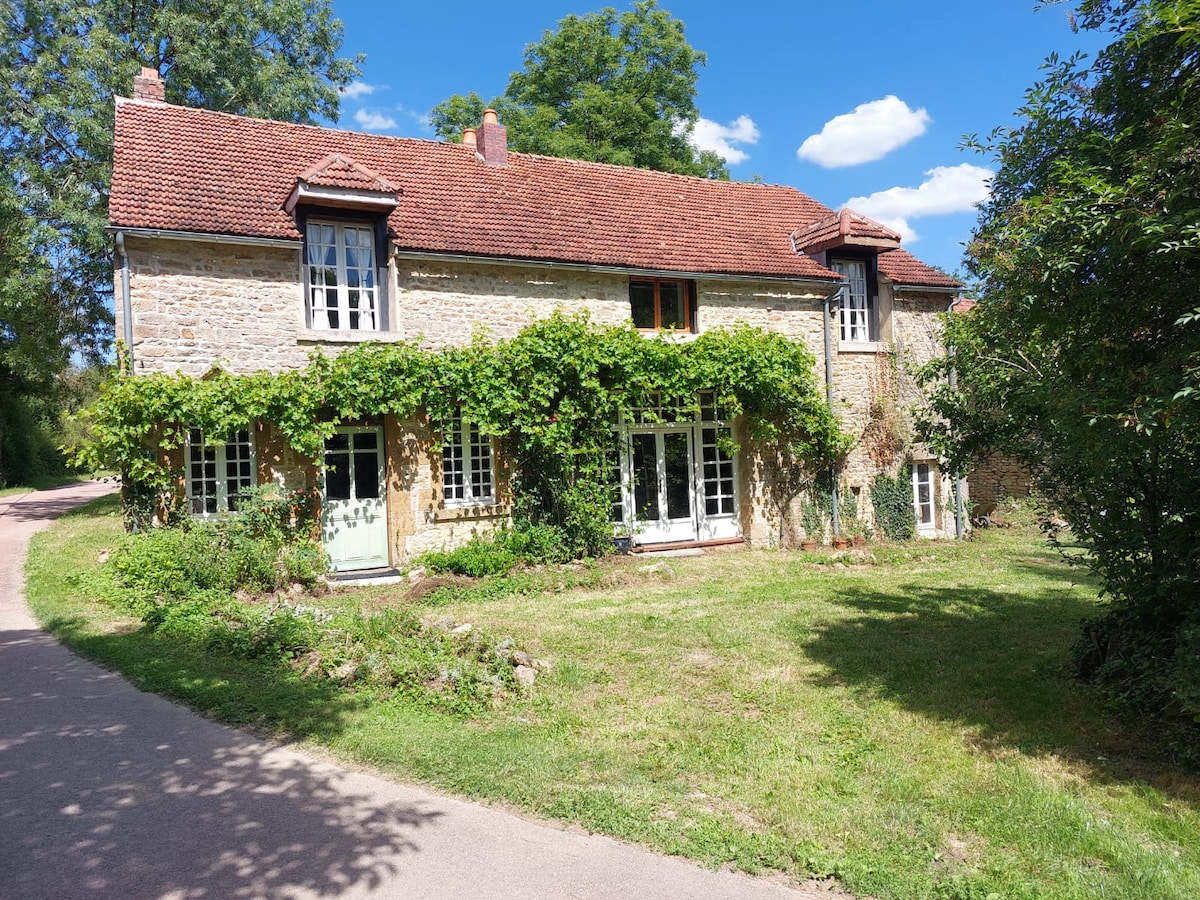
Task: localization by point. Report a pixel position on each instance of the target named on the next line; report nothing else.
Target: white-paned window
(218, 474)
(341, 277)
(922, 485)
(467, 476)
(856, 306)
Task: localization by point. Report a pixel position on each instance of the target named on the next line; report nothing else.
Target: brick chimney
(492, 140)
(148, 86)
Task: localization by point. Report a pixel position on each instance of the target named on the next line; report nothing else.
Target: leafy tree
(62, 63)
(607, 87)
(1083, 357)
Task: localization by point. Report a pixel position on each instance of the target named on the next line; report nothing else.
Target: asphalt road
(106, 791)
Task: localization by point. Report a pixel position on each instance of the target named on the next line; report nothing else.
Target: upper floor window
(856, 311)
(658, 304)
(467, 470)
(342, 288)
(218, 474)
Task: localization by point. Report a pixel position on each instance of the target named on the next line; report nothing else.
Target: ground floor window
(218, 474)
(467, 469)
(922, 485)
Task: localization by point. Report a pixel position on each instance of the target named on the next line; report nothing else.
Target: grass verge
(904, 726)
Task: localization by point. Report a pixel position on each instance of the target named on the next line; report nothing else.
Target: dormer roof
(338, 180)
(845, 228)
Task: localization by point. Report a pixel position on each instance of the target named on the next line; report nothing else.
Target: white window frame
(855, 309)
(318, 310)
(468, 454)
(930, 476)
(238, 449)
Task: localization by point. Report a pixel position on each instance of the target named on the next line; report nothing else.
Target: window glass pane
(679, 475)
(366, 440)
(671, 301)
(337, 467)
(645, 477)
(366, 475)
(641, 303)
(452, 462)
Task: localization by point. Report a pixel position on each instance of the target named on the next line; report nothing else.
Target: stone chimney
(148, 86)
(492, 141)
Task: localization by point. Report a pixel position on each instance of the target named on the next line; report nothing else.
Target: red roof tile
(338, 170)
(842, 228)
(184, 169)
(902, 267)
(964, 304)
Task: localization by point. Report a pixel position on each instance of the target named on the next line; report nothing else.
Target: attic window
(857, 310)
(342, 289)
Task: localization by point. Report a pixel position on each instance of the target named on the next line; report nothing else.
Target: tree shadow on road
(110, 792)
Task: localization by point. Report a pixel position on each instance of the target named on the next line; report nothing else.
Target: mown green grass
(905, 726)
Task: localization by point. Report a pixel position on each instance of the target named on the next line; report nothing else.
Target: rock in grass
(525, 675)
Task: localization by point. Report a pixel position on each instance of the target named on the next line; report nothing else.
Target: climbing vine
(550, 395)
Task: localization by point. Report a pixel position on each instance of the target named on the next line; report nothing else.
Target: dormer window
(342, 288)
(857, 310)
(342, 207)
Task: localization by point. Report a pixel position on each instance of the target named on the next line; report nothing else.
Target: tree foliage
(63, 61)
(1083, 357)
(615, 87)
(551, 395)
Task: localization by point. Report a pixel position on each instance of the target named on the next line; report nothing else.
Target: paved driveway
(109, 792)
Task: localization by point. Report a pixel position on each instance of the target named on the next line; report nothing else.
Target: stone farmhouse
(244, 244)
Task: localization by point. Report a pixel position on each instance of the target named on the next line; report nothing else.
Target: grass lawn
(905, 727)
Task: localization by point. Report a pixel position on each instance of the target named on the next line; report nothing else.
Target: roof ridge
(160, 105)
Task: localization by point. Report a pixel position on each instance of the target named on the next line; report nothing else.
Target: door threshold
(686, 545)
(364, 577)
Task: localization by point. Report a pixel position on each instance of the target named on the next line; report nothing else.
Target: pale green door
(353, 504)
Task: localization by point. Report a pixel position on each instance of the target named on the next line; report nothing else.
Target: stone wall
(200, 304)
(994, 478)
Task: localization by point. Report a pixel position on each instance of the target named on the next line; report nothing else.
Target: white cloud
(356, 89)
(947, 189)
(710, 135)
(869, 133)
(374, 121)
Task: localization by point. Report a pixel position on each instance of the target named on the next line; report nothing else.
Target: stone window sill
(329, 336)
(865, 347)
(473, 513)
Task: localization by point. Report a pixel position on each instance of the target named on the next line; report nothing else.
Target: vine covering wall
(550, 395)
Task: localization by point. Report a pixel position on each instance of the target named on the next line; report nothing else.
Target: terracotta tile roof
(902, 267)
(842, 228)
(184, 169)
(964, 304)
(338, 170)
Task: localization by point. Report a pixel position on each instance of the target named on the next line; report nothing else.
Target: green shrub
(476, 558)
(891, 496)
(1148, 668)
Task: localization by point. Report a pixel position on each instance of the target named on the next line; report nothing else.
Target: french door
(677, 484)
(353, 503)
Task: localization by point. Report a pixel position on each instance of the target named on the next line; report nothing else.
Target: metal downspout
(959, 514)
(835, 518)
(126, 304)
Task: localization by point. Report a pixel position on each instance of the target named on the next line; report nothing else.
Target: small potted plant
(812, 517)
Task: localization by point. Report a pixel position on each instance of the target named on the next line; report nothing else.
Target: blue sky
(860, 103)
